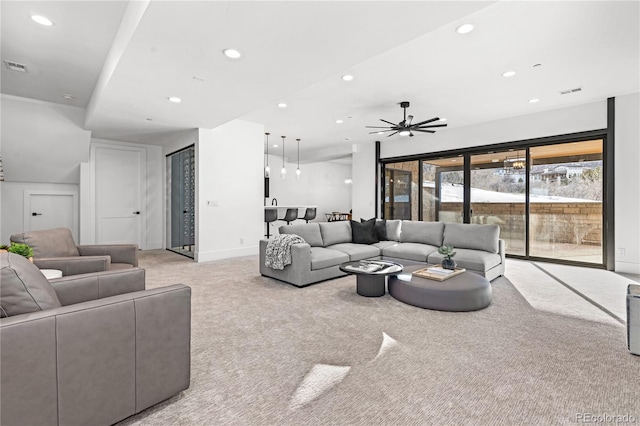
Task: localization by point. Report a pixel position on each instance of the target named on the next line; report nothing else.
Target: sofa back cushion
(422, 232)
(393, 230)
(364, 232)
(310, 232)
(56, 242)
(337, 232)
(477, 237)
(23, 287)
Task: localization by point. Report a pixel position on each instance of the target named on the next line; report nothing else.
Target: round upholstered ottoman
(464, 292)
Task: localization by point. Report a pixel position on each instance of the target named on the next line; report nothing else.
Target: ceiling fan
(405, 128)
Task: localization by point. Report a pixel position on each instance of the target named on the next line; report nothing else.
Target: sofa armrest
(98, 285)
(295, 273)
(502, 248)
(96, 362)
(633, 290)
(120, 253)
(74, 265)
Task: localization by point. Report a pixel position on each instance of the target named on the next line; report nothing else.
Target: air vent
(15, 66)
(566, 92)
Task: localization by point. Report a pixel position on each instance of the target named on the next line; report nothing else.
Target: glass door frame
(608, 211)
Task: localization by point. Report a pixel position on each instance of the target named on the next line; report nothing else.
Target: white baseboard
(628, 267)
(208, 256)
(154, 245)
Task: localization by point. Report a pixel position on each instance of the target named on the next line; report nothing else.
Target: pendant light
(267, 169)
(283, 170)
(298, 171)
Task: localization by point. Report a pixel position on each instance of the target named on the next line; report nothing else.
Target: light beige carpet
(267, 353)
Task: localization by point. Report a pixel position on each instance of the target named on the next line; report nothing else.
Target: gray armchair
(633, 318)
(55, 249)
(88, 349)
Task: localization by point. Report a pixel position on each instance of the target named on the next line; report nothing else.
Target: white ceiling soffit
(65, 58)
(593, 45)
(286, 46)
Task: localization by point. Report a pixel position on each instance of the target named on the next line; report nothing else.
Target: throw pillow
(381, 228)
(363, 233)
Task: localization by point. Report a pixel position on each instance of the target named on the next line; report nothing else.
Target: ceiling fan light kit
(405, 128)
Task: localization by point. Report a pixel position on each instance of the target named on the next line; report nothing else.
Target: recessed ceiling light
(508, 73)
(404, 133)
(149, 119)
(174, 99)
(231, 53)
(339, 121)
(282, 105)
(347, 77)
(537, 65)
(347, 139)
(534, 100)
(275, 145)
(68, 96)
(42, 20)
(465, 28)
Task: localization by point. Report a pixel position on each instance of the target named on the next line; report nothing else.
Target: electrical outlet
(212, 203)
(621, 252)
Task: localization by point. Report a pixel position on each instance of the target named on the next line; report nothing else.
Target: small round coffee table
(462, 293)
(371, 284)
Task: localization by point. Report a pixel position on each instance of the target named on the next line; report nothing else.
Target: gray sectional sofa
(328, 244)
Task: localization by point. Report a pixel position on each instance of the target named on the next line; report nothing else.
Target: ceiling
(296, 52)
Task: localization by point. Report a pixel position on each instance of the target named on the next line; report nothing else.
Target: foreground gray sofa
(328, 244)
(88, 349)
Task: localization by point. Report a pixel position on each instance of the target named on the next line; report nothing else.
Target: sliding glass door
(565, 207)
(547, 198)
(498, 187)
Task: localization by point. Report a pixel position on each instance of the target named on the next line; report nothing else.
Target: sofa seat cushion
(322, 258)
(23, 287)
(310, 232)
(335, 232)
(475, 260)
(117, 266)
(410, 251)
(382, 244)
(357, 251)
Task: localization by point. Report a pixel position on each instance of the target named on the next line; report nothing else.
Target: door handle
(136, 212)
(36, 214)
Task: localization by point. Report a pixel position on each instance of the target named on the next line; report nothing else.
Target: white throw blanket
(279, 250)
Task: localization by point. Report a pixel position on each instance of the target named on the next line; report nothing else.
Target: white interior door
(119, 182)
(51, 209)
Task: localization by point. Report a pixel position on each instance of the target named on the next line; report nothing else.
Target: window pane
(401, 190)
(442, 189)
(498, 195)
(566, 184)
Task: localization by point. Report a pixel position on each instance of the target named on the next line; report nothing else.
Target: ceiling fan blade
(427, 121)
(393, 124)
(409, 118)
(382, 131)
(424, 131)
(392, 133)
(410, 134)
(432, 125)
(378, 127)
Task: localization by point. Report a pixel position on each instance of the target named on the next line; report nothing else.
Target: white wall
(229, 171)
(321, 184)
(42, 141)
(579, 118)
(627, 181)
(592, 116)
(364, 180)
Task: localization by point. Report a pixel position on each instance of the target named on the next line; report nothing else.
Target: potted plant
(22, 250)
(4, 248)
(448, 253)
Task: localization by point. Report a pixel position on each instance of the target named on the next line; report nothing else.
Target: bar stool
(270, 215)
(309, 214)
(290, 215)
